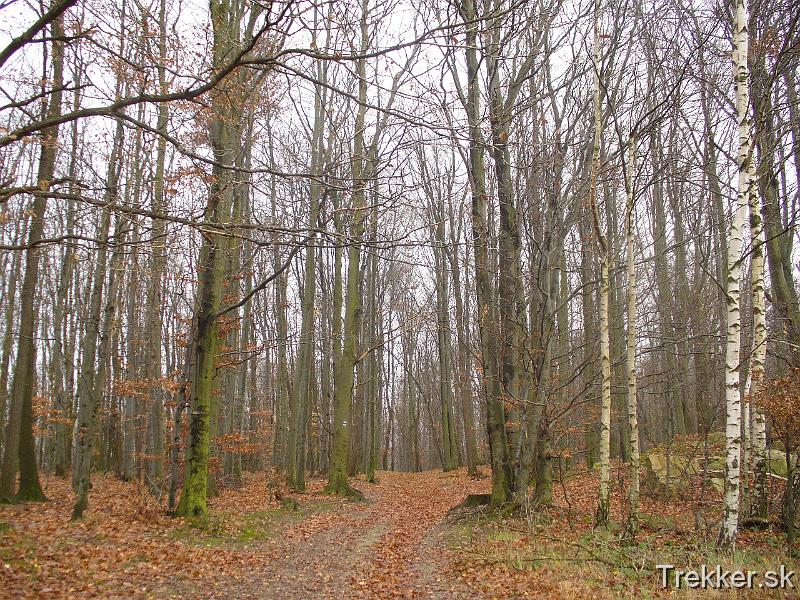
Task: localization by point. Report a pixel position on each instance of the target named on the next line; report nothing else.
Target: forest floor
(403, 542)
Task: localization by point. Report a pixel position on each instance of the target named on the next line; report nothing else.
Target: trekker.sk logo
(715, 577)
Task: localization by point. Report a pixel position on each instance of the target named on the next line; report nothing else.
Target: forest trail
(391, 546)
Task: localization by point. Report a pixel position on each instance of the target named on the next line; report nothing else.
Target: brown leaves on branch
(779, 398)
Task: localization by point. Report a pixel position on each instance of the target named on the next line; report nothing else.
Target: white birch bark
(605, 407)
(730, 520)
(633, 424)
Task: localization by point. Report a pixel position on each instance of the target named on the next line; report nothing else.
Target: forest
(399, 299)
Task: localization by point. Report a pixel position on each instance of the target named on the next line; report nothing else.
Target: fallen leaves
(399, 544)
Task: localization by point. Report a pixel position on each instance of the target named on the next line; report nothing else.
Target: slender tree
(727, 536)
(345, 369)
(605, 257)
(633, 405)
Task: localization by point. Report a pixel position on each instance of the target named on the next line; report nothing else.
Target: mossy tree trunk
(344, 374)
(224, 137)
(19, 451)
(502, 482)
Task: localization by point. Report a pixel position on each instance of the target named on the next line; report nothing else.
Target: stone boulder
(681, 470)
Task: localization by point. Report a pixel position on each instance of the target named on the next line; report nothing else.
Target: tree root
(346, 491)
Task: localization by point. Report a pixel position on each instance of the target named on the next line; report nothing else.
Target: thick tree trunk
(211, 264)
(19, 451)
(502, 483)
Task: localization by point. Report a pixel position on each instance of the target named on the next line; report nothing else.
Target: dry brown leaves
(126, 546)
(399, 544)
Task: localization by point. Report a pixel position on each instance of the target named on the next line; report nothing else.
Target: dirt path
(407, 560)
(391, 546)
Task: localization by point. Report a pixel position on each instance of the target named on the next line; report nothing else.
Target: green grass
(18, 550)
(226, 528)
(503, 536)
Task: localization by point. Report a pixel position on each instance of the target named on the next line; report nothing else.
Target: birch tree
(730, 521)
(605, 257)
(633, 406)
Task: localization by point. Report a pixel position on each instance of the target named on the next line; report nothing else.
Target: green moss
(221, 528)
(19, 551)
(503, 536)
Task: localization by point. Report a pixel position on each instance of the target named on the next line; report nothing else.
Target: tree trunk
(91, 382)
(463, 372)
(19, 449)
(633, 422)
(8, 334)
(758, 358)
(487, 323)
(345, 368)
(211, 264)
(727, 537)
(154, 308)
(605, 257)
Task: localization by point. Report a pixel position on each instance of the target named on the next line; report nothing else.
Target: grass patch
(503, 536)
(598, 560)
(18, 551)
(221, 528)
(136, 559)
